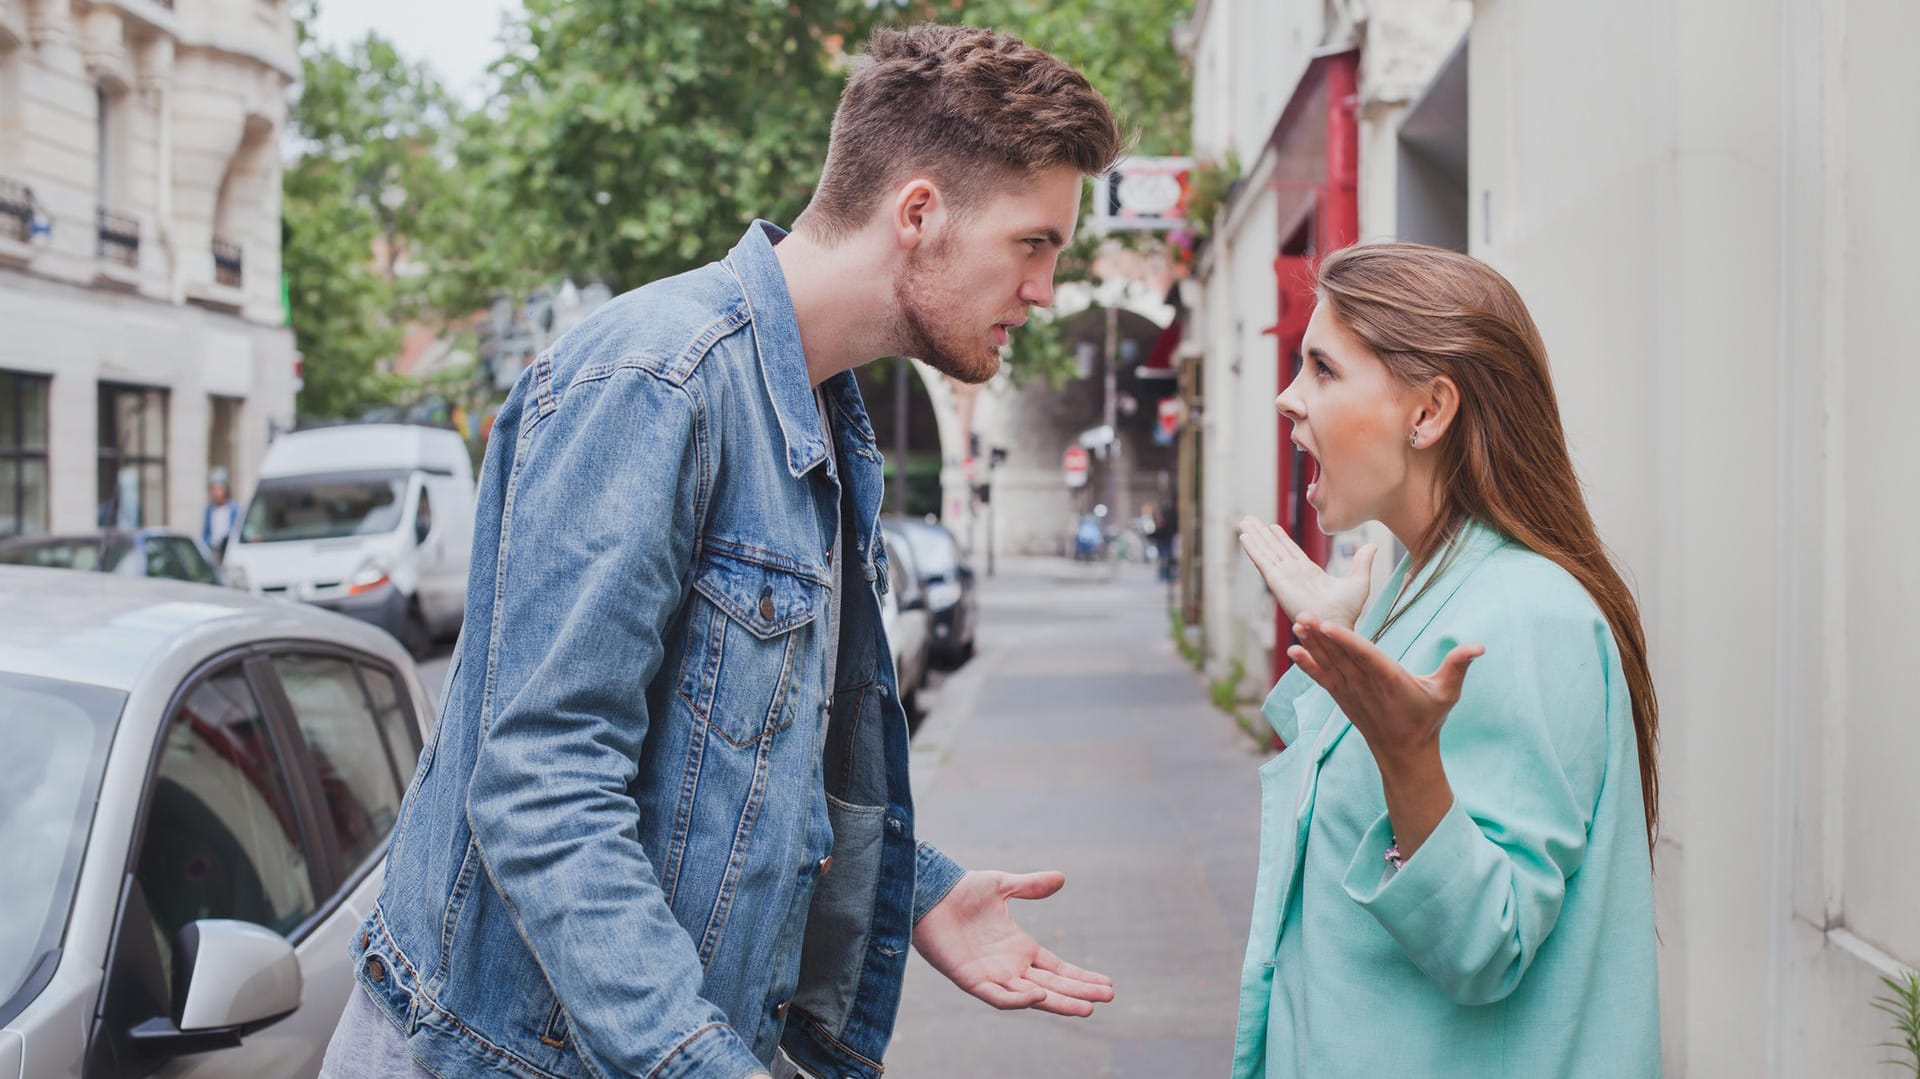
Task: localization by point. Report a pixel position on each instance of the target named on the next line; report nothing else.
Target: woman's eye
(1321, 369)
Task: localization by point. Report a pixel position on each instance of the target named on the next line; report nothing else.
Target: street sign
(1142, 193)
(1170, 416)
(1074, 464)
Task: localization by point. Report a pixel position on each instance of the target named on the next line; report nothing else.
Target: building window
(23, 453)
(133, 456)
(119, 232)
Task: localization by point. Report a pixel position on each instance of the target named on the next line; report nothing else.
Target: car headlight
(369, 577)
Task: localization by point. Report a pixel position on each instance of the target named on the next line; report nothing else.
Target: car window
(56, 734)
(355, 770)
(58, 554)
(184, 558)
(395, 718)
(160, 563)
(900, 555)
(221, 838)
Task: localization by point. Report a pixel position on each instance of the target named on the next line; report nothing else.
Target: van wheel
(414, 635)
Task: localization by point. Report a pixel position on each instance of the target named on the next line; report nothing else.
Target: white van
(371, 520)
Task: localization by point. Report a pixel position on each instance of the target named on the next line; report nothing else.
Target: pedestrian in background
(663, 827)
(1455, 869)
(221, 517)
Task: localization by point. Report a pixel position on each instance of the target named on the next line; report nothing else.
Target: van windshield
(325, 507)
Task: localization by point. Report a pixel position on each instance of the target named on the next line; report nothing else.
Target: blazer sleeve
(1525, 754)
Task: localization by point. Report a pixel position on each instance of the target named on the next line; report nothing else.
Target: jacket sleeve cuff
(934, 876)
(1423, 905)
(714, 1051)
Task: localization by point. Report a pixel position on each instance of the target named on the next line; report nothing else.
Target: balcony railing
(226, 263)
(119, 238)
(16, 210)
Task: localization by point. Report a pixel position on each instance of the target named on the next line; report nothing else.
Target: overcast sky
(457, 38)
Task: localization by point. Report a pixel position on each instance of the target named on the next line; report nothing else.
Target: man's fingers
(1070, 987)
(1026, 995)
(1057, 1003)
(1046, 960)
(1033, 885)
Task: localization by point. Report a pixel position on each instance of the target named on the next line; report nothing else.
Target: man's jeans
(366, 1044)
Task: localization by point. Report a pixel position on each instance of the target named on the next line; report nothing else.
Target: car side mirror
(230, 979)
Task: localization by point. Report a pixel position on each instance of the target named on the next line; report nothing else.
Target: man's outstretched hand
(971, 937)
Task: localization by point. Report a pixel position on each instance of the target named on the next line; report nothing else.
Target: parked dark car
(948, 582)
(148, 552)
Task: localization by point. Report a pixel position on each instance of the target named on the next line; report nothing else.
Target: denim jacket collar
(776, 334)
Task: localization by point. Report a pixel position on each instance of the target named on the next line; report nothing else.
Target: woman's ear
(1437, 404)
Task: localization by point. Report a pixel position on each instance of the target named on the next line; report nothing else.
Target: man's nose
(1037, 291)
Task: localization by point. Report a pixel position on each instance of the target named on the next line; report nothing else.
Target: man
(664, 827)
(217, 523)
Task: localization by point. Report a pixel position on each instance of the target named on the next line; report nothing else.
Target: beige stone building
(142, 336)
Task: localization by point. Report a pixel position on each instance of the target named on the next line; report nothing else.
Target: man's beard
(950, 350)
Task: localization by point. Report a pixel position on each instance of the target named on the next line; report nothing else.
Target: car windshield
(79, 552)
(933, 552)
(324, 507)
(56, 734)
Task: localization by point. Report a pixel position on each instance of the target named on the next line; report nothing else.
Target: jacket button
(780, 1009)
(766, 604)
(376, 969)
(826, 864)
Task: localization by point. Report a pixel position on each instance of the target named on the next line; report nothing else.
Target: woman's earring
(1414, 442)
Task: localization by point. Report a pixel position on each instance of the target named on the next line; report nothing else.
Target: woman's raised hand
(1298, 583)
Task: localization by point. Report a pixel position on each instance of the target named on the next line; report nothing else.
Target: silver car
(197, 794)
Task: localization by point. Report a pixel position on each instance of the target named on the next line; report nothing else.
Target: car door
(226, 829)
(274, 790)
(360, 740)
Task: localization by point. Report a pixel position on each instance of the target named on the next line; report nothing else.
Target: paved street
(1078, 740)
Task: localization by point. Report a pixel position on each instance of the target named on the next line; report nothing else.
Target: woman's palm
(1298, 583)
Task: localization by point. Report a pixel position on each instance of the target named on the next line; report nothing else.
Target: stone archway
(1033, 508)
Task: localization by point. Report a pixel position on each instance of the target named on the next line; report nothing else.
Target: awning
(1160, 361)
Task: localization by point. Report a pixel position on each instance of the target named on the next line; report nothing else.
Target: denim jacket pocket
(742, 648)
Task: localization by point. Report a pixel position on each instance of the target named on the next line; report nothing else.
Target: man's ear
(1437, 404)
(919, 213)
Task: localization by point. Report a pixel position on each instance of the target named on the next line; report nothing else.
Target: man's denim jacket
(645, 839)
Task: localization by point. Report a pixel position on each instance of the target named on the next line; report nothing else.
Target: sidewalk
(1077, 739)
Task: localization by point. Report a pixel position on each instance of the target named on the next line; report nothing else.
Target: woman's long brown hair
(1428, 312)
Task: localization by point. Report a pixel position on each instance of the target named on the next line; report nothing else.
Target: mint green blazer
(1518, 941)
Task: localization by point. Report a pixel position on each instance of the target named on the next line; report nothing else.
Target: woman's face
(1354, 420)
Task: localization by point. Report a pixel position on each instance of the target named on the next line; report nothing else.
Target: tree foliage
(625, 141)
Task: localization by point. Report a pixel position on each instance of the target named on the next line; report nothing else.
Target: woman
(1455, 872)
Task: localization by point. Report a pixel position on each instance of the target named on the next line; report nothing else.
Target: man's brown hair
(969, 108)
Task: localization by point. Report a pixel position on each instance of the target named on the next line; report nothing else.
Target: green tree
(629, 140)
(382, 223)
(637, 139)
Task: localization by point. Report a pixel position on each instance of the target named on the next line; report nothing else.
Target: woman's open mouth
(1313, 475)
